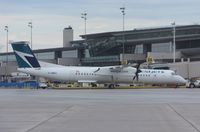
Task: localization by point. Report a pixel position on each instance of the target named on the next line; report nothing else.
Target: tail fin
(24, 55)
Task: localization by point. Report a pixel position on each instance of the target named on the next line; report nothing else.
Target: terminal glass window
(10, 58)
(162, 47)
(139, 49)
(45, 55)
(71, 54)
(3, 58)
(101, 59)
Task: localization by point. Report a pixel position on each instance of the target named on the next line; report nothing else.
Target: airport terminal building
(106, 48)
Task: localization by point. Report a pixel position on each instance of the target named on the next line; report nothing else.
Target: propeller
(97, 70)
(137, 72)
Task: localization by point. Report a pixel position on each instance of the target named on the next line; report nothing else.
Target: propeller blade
(137, 72)
(137, 78)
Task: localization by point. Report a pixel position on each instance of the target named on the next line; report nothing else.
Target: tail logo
(25, 57)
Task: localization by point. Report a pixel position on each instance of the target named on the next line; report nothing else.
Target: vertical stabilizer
(24, 55)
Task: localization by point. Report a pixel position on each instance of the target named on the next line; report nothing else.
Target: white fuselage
(105, 75)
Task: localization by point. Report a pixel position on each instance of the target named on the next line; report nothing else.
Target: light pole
(174, 41)
(6, 29)
(123, 14)
(30, 24)
(84, 16)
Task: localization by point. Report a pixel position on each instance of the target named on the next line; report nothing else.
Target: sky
(50, 17)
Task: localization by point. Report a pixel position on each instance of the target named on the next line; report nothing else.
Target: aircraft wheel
(192, 85)
(111, 86)
(176, 86)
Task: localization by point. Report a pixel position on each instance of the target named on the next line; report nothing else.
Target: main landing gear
(111, 86)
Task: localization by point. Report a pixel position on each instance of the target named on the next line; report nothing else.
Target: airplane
(111, 75)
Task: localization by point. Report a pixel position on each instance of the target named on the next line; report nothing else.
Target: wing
(116, 68)
(87, 81)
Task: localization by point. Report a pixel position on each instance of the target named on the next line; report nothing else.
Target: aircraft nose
(181, 80)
